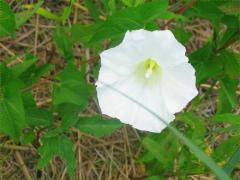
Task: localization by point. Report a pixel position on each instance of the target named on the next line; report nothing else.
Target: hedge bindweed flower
(151, 68)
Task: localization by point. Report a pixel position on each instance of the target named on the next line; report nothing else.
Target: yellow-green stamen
(151, 66)
(149, 72)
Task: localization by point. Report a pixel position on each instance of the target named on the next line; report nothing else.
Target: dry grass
(107, 158)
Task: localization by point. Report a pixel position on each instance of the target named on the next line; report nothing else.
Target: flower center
(151, 67)
(149, 71)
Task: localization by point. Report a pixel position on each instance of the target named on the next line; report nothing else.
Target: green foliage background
(215, 63)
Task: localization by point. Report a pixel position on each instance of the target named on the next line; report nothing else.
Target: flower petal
(114, 104)
(121, 58)
(159, 45)
(178, 86)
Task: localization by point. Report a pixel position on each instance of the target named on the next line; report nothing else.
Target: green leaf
(97, 125)
(67, 12)
(233, 161)
(163, 147)
(182, 35)
(205, 63)
(229, 118)
(231, 64)
(131, 3)
(28, 137)
(232, 32)
(91, 6)
(60, 146)
(38, 117)
(7, 20)
(227, 95)
(83, 33)
(20, 68)
(224, 151)
(70, 114)
(24, 16)
(12, 117)
(47, 14)
(196, 129)
(122, 21)
(71, 87)
(207, 10)
(63, 43)
(33, 73)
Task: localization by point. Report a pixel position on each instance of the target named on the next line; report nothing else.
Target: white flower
(151, 68)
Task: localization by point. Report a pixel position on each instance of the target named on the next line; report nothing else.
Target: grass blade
(232, 162)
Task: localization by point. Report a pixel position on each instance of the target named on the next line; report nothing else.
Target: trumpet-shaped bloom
(151, 68)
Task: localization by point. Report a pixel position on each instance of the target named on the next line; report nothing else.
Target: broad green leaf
(131, 3)
(97, 125)
(71, 87)
(20, 68)
(207, 10)
(28, 137)
(227, 95)
(229, 118)
(57, 146)
(83, 33)
(196, 129)
(122, 21)
(69, 114)
(232, 32)
(24, 16)
(36, 117)
(63, 43)
(7, 20)
(164, 148)
(205, 63)
(12, 117)
(33, 73)
(231, 64)
(182, 35)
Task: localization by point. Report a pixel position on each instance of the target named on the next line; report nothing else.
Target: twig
(81, 7)
(79, 157)
(12, 54)
(215, 88)
(36, 35)
(14, 147)
(24, 168)
(64, 174)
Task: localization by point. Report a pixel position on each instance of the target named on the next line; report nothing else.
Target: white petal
(116, 105)
(159, 45)
(179, 87)
(121, 58)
